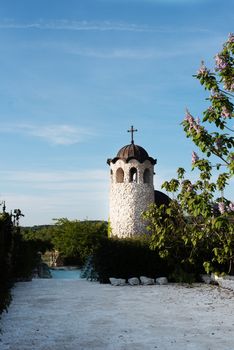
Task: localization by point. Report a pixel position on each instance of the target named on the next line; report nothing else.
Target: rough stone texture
(161, 280)
(128, 200)
(134, 281)
(117, 281)
(146, 281)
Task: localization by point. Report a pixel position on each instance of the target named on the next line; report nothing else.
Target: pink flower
(193, 124)
(221, 207)
(197, 128)
(231, 206)
(220, 62)
(211, 109)
(230, 38)
(188, 116)
(203, 70)
(225, 113)
(195, 157)
(218, 142)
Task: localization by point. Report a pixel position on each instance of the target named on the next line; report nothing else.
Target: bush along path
(6, 243)
(18, 257)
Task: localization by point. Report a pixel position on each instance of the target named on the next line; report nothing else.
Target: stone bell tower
(131, 189)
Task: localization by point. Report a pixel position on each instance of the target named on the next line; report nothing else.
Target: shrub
(24, 256)
(77, 240)
(6, 239)
(18, 257)
(126, 258)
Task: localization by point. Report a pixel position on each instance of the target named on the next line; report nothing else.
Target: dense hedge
(127, 258)
(18, 257)
(6, 243)
(25, 256)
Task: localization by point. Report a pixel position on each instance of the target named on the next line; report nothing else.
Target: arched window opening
(133, 175)
(146, 176)
(111, 174)
(119, 175)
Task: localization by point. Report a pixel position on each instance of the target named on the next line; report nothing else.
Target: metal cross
(132, 130)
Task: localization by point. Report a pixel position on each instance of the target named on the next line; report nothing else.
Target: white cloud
(43, 196)
(68, 25)
(52, 176)
(76, 26)
(142, 51)
(57, 134)
(116, 53)
(121, 53)
(42, 209)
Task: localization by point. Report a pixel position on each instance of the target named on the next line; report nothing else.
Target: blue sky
(75, 75)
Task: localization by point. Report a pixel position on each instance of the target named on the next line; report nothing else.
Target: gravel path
(76, 315)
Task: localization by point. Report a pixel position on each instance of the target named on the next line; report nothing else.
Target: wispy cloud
(144, 52)
(44, 195)
(68, 25)
(42, 209)
(76, 26)
(53, 176)
(61, 134)
(120, 53)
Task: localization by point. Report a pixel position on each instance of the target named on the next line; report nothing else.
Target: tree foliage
(77, 238)
(74, 240)
(196, 226)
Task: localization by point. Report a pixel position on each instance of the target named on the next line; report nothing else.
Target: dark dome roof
(132, 151)
(161, 198)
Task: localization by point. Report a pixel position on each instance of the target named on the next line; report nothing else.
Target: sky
(75, 75)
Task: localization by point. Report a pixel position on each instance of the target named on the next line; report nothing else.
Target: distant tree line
(74, 240)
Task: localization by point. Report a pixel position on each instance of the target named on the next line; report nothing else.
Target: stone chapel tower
(132, 189)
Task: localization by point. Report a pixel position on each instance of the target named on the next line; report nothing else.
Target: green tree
(42, 235)
(196, 226)
(77, 239)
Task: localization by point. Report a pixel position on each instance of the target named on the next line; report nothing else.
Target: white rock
(134, 281)
(224, 281)
(146, 280)
(117, 281)
(161, 280)
(206, 279)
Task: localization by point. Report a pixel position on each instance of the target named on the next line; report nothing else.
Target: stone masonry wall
(128, 200)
